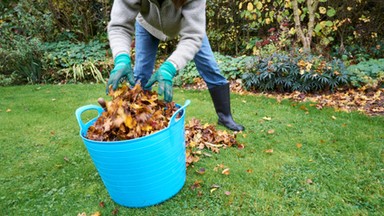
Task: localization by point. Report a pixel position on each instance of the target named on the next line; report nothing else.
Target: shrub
(286, 73)
(8, 80)
(23, 59)
(77, 61)
(367, 73)
(230, 67)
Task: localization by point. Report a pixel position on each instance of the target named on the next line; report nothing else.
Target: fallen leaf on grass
(227, 193)
(196, 184)
(240, 146)
(309, 181)
(333, 117)
(304, 108)
(225, 171)
(267, 118)
(201, 171)
(249, 171)
(269, 151)
(299, 145)
(271, 131)
(8, 110)
(214, 187)
(115, 211)
(96, 214)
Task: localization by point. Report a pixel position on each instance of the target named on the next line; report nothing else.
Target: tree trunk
(305, 34)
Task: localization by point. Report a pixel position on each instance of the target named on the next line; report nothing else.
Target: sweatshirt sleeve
(191, 33)
(121, 26)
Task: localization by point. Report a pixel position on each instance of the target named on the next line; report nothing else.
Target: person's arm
(191, 33)
(121, 26)
(120, 31)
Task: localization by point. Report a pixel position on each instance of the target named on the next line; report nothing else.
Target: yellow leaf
(96, 214)
(267, 21)
(250, 6)
(129, 121)
(259, 5)
(322, 10)
(8, 110)
(147, 128)
(240, 5)
(225, 171)
(292, 31)
(299, 11)
(192, 144)
(299, 145)
(333, 117)
(267, 118)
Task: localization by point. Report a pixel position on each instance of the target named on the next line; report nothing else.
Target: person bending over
(151, 21)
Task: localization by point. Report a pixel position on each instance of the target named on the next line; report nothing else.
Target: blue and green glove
(121, 71)
(164, 76)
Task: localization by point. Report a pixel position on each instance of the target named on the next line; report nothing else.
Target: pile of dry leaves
(132, 113)
(200, 137)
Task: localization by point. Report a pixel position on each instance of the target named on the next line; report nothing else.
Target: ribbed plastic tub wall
(144, 171)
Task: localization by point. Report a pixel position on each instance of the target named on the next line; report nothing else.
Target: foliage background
(52, 41)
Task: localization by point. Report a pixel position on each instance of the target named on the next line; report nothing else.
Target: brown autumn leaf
(102, 204)
(309, 181)
(115, 211)
(201, 171)
(196, 184)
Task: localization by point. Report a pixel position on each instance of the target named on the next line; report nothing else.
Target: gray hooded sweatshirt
(165, 22)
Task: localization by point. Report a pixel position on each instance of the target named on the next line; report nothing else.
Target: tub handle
(173, 118)
(82, 109)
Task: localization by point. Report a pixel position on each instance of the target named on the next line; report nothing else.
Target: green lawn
(323, 162)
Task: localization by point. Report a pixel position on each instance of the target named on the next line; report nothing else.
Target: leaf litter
(369, 101)
(132, 113)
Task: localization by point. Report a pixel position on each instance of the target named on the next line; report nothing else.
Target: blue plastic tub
(144, 171)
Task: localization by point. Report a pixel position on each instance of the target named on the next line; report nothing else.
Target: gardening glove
(164, 76)
(121, 71)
